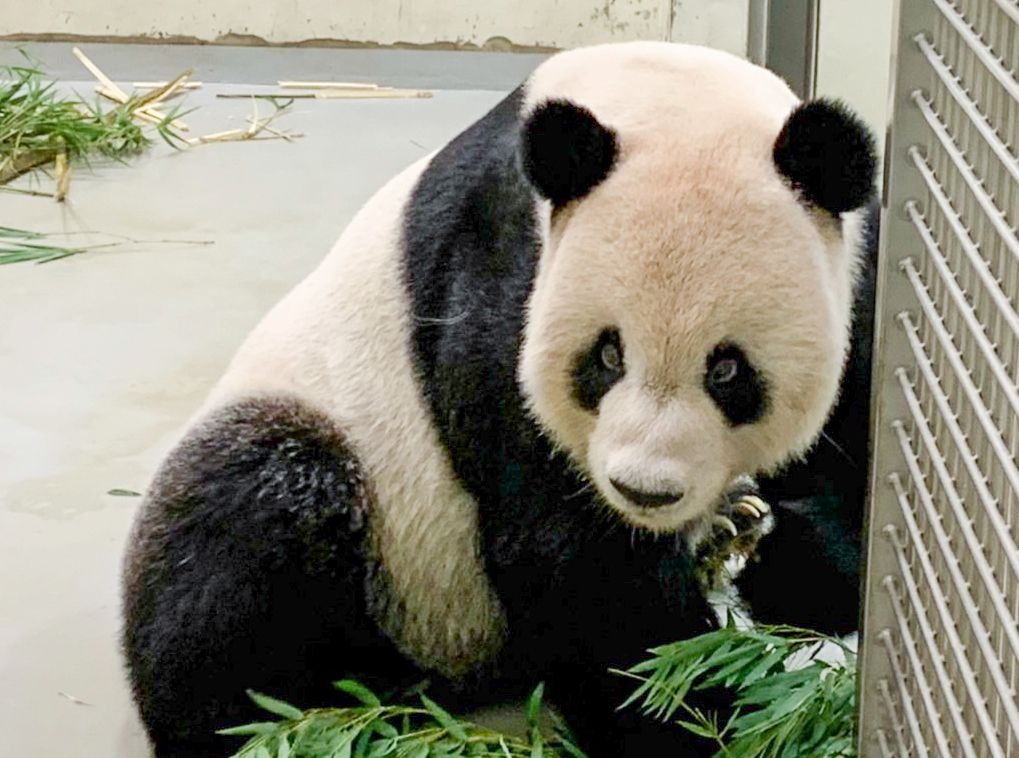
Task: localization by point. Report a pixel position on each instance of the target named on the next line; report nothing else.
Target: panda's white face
(681, 336)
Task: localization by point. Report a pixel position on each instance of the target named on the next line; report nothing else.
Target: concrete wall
(854, 44)
(498, 24)
(854, 56)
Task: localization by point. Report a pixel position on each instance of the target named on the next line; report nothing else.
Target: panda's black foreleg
(246, 570)
(618, 598)
(590, 707)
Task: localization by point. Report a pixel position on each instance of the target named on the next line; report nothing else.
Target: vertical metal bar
(783, 37)
(898, 241)
(757, 31)
(947, 335)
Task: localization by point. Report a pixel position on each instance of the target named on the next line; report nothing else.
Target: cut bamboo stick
(338, 94)
(145, 113)
(380, 94)
(23, 162)
(167, 90)
(256, 125)
(63, 171)
(288, 136)
(266, 95)
(110, 90)
(228, 135)
(98, 74)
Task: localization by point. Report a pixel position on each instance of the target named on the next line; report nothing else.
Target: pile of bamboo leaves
(791, 698)
(371, 729)
(41, 126)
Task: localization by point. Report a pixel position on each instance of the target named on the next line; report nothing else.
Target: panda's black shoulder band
(828, 155)
(566, 151)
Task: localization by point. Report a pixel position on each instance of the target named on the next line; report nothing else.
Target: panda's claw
(730, 540)
(747, 508)
(752, 506)
(726, 523)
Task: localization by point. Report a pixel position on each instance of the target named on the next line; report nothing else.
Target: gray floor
(104, 356)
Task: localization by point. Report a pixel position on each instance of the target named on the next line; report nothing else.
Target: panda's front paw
(741, 522)
(731, 535)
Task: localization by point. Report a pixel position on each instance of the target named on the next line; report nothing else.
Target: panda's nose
(646, 499)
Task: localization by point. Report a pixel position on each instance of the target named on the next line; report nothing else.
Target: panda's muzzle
(645, 499)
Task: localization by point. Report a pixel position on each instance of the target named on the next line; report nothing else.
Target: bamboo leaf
(273, 705)
(534, 705)
(258, 727)
(359, 691)
(447, 722)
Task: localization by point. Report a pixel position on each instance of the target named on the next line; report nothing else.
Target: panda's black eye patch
(735, 385)
(597, 369)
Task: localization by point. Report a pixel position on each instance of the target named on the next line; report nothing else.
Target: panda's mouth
(673, 519)
(675, 515)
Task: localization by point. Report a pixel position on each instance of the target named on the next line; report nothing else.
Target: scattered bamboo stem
(98, 73)
(288, 136)
(167, 90)
(253, 120)
(266, 95)
(14, 166)
(140, 113)
(333, 94)
(146, 113)
(110, 90)
(256, 125)
(380, 94)
(63, 170)
(229, 134)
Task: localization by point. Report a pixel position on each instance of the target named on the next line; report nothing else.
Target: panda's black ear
(828, 155)
(566, 151)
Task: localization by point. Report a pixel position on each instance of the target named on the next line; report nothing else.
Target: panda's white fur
(732, 246)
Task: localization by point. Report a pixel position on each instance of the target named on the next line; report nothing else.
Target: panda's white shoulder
(356, 290)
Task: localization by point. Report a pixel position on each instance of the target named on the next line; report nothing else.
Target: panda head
(690, 316)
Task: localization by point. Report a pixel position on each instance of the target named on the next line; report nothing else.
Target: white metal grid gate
(940, 642)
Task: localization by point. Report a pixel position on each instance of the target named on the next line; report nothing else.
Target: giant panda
(471, 445)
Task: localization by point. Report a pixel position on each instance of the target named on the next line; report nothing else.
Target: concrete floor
(104, 356)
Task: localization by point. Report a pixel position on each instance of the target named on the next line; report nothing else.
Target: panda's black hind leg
(247, 569)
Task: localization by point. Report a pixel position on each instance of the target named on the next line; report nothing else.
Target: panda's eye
(737, 388)
(611, 357)
(597, 368)
(724, 371)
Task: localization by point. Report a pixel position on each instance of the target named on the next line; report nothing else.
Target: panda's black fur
(251, 566)
(256, 566)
